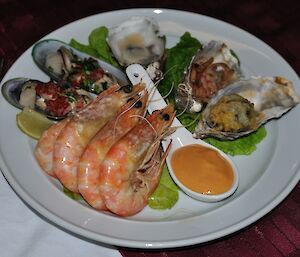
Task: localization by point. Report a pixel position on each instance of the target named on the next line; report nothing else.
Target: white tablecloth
(24, 234)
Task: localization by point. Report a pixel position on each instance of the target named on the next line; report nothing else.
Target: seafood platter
(137, 117)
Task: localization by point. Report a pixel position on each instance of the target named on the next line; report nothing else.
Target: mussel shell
(43, 48)
(271, 96)
(11, 90)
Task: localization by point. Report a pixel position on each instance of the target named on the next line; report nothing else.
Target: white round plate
(266, 176)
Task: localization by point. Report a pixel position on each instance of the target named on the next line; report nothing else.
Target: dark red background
(275, 22)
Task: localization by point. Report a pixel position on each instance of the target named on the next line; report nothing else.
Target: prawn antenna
(165, 96)
(157, 83)
(170, 91)
(170, 69)
(186, 91)
(190, 124)
(123, 112)
(151, 92)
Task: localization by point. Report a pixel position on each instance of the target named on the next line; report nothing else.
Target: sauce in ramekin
(202, 169)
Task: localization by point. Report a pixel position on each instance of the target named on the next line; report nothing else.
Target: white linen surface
(24, 234)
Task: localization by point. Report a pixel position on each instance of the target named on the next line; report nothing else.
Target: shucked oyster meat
(137, 40)
(242, 107)
(211, 69)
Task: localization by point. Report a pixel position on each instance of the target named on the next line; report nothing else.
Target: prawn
(88, 169)
(43, 151)
(132, 167)
(77, 133)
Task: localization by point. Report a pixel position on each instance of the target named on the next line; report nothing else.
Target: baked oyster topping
(232, 113)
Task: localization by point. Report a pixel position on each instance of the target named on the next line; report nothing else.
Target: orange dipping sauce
(202, 169)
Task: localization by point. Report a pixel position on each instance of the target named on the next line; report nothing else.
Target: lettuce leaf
(189, 120)
(241, 146)
(83, 48)
(72, 195)
(97, 41)
(166, 194)
(97, 46)
(177, 61)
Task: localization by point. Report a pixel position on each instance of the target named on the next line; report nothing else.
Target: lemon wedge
(32, 123)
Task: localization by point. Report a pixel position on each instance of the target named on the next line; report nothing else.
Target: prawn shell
(43, 151)
(130, 171)
(76, 135)
(88, 170)
(271, 96)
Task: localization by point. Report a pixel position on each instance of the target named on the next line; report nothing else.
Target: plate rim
(137, 244)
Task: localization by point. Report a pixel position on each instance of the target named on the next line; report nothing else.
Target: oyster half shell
(211, 69)
(136, 41)
(247, 103)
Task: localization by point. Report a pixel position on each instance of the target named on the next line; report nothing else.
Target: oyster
(62, 62)
(48, 98)
(212, 68)
(242, 107)
(137, 41)
(233, 113)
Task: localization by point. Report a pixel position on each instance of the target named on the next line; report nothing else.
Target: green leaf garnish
(178, 59)
(83, 48)
(97, 46)
(71, 97)
(166, 194)
(241, 146)
(72, 195)
(97, 41)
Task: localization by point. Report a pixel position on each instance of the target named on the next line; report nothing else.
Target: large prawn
(132, 167)
(88, 169)
(43, 151)
(77, 133)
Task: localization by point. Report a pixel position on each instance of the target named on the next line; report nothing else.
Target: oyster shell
(22, 92)
(260, 99)
(212, 68)
(62, 62)
(136, 41)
